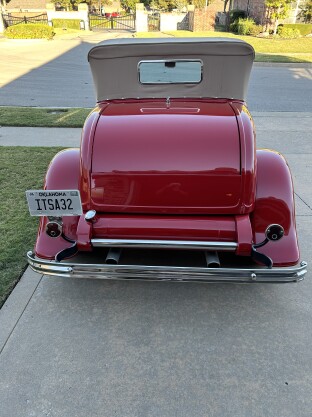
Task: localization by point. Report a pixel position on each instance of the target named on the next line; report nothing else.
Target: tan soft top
(226, 67)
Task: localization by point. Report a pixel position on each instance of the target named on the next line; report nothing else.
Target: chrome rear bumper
(167, 273)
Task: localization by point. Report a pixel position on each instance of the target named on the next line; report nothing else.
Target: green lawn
(21, 168)
(34, 116)
(267, 49)
(287, 58)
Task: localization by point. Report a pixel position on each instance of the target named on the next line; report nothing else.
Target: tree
(306, 11)
(278, 9)
(160, 4)
(69, 4)
(129, 5)
(225, 4)
(180, 4)
(3, 4)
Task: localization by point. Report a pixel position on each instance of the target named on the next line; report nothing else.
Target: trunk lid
(173, 157)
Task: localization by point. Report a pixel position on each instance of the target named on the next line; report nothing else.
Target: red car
(167, 183)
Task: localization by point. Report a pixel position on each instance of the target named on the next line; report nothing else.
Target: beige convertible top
(225, 71)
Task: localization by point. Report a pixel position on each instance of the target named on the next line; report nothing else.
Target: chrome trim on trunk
(164, 244)
(168, 273)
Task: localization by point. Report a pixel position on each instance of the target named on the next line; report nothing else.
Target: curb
(17, 302)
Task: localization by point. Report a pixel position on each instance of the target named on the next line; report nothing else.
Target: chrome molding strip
(164, 273)
(164, 244)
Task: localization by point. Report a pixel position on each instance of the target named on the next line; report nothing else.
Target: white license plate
(54, 202)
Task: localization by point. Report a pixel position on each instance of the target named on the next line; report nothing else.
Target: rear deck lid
(158, 157)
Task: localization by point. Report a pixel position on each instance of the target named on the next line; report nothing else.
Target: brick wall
(203, 19)
(254, 8)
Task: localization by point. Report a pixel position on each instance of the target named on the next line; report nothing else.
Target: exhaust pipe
(212, 259)
(113, 256)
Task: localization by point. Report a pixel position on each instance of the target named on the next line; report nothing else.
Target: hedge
(29, 31)
(288, 33)
(255, 30)
(246, 27)
(304, 28)
(66, 23)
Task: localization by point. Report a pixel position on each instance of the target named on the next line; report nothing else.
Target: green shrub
(66, 23)
(29, 31)
(246, 26)
(304, 28)
(233, 26)
(237, 14)
(288, 33)
(255, 30)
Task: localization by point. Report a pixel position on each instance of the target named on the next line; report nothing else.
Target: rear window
(170, 71)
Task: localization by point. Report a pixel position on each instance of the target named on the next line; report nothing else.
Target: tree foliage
(166, 5)
(278, 9)
(200, 4)
(163, 5)
(175, 4)
(3, 3)
(129, 4)
(69, 4)
(306, 11)
(180, 4)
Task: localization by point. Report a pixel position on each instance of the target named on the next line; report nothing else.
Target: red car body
(173, 174)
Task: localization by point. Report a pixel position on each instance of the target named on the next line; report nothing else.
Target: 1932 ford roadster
(167, 183)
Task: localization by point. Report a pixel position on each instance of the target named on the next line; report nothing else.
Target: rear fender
(275, 205)
(63, 174)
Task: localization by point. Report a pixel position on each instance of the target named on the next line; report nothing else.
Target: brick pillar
(204, 19)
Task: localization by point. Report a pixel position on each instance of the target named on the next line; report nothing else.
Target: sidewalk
(40, 136)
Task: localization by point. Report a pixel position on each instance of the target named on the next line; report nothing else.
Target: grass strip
(21, 168)
(42, 117)
(284, 58)
(267, 49)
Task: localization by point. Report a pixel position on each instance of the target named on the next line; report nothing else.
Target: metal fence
(109, 22)
(10, 20)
